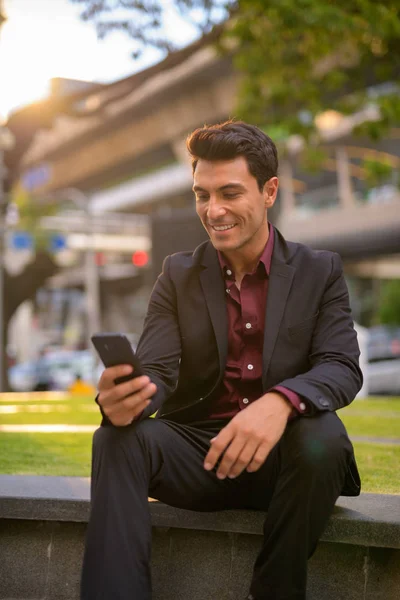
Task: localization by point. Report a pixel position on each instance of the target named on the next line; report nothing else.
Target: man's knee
(106, 436)
(110, 437)
(317, 442)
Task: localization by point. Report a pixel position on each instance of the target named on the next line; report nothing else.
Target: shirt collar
(265, 258)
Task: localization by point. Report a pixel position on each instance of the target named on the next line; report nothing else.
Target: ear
(270, 191)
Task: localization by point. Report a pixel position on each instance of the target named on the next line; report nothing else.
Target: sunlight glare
(29, 64)
(43, 39)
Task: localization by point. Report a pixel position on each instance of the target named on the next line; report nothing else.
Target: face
(231, 206)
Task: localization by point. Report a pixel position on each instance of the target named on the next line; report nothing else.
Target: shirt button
(248, 325)
(302, 406)
(245, 400)
(250, 367)
(229, 272)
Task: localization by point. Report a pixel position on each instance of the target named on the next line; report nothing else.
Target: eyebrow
(232, 186)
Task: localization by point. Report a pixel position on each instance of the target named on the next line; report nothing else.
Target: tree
(144, 20)
(23, 286)
(19, 288)
(389, 309)
(298, 58)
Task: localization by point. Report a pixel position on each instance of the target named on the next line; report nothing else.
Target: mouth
(223, 228)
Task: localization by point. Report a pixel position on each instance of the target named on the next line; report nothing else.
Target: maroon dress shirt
(242, 382)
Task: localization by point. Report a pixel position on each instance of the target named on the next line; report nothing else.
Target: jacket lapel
(213, 287)
(280, 282)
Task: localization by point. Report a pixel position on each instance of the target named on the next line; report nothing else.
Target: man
(249, 349)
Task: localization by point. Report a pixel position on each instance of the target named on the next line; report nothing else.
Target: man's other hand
(249, 437)
(122, 403)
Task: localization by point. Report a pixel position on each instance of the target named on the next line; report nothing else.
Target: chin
(224, 246)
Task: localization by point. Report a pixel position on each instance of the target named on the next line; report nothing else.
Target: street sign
(21, 240)
(77, 222)
(36, 177)
(58, 242)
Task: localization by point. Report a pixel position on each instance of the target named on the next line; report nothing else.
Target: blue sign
(58, 242)
(21, 240)
(36, 177)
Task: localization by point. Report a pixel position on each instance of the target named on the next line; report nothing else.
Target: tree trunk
(18, 288)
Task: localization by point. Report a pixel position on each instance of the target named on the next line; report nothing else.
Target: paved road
(375, 440)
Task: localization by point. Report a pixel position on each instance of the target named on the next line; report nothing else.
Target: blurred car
(55, 371)
(383, 377)
(383, 343)
(382, 371)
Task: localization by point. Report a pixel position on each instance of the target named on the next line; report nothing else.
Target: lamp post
(6, 143)
(82, 202)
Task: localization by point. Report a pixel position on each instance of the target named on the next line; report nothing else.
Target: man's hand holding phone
(122, 403)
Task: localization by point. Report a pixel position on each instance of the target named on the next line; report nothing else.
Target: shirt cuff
(299, 406)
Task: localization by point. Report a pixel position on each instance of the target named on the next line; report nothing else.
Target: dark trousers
(297, 486)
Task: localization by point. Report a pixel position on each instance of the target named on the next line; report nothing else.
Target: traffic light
(140, 258)
(100, 259)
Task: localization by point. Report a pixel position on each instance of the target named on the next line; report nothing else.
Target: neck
(245, 259)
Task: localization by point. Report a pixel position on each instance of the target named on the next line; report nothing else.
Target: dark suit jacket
(310, 345)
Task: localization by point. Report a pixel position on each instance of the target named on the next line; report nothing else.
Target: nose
(215, 210)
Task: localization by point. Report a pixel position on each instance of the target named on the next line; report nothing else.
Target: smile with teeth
(222, 227)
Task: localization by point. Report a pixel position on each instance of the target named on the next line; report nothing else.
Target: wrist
(280, 400)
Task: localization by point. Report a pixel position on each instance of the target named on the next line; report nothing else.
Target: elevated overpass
(356, 231)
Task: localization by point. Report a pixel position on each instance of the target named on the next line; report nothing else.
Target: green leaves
(389, 307)
(145, 21)
(315, 55)
(377, 172)
(295, 56)
(30, 212)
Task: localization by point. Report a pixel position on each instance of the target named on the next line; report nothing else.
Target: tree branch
(24, 286)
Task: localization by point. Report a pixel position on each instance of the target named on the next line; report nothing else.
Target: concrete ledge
(369, 520)
(43, 525)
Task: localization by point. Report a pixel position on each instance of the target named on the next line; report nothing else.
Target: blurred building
(123, 145)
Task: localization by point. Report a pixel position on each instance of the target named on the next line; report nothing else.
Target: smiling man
(249, 349)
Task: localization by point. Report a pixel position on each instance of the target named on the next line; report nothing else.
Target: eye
(231, 196)
(201, 197)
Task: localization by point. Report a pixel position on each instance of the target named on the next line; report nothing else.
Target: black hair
(226, 141)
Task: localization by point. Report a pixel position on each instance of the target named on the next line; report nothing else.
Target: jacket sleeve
(159, 347)
(335, 376)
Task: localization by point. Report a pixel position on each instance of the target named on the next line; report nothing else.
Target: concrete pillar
(345, 189)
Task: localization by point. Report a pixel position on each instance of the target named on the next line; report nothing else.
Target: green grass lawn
(378, 417)
(69, 453)
(65, 454)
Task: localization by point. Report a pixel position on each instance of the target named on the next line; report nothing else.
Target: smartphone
(115, 349)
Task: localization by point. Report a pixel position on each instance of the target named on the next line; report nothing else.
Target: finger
(244, 458)
(218, 446)
(121, 391)
(129, 403)
(134, 386)
(260, 457)
(231, 455)
(108, 376)
(123, 418)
